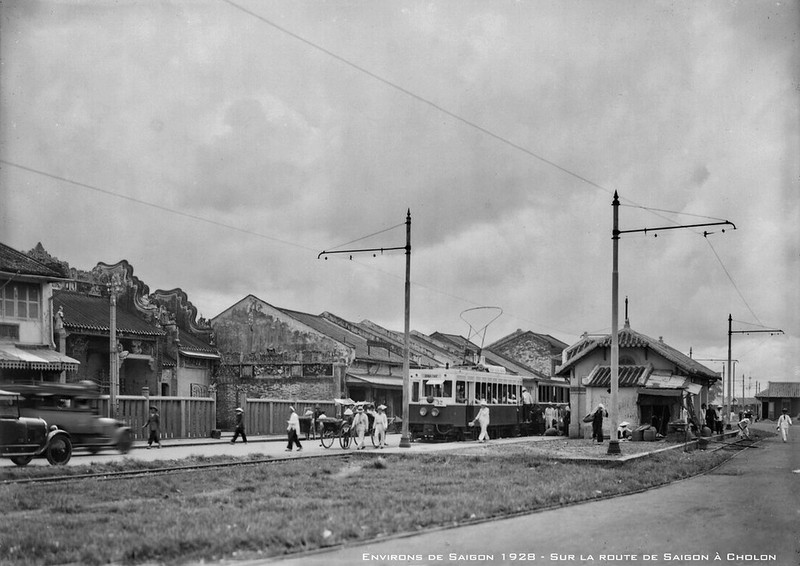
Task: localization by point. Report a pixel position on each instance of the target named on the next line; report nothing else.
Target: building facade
(656, 382)
(28, 321)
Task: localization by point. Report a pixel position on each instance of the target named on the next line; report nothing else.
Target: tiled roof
(13, 261)
(781, 389)
(629, 338)
(554, 342)
(191, 343)
(629, 376)
(342, 335)
(89, 313)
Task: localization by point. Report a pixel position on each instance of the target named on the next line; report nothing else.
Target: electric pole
(613, 445)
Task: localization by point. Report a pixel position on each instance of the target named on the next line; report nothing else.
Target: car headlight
(435, 412)
(423, 411)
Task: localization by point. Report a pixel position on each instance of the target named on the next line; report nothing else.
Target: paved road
(748, 511)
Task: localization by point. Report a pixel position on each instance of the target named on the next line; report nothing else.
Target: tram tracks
(164, 470)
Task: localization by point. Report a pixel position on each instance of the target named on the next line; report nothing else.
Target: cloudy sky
(219, 146)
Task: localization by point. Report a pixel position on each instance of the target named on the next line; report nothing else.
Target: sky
(219, 146)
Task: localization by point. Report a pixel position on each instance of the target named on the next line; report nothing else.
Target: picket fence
(181, 417)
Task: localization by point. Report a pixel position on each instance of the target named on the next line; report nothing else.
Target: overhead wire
(405, 91)
(152, 205)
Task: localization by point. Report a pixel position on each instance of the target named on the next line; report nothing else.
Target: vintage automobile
(74, 407)
(24, 438)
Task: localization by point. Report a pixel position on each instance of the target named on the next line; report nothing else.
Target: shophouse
(28, 321)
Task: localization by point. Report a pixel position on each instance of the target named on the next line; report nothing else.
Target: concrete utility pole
(613, 445)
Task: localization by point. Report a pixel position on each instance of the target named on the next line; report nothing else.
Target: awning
(37, 358)
(654, 392)
(377, 380)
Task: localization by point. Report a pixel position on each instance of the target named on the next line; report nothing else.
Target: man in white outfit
(380, 424)
(482, 418)
(784, 422)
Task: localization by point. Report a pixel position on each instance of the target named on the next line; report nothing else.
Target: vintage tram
(443, 402)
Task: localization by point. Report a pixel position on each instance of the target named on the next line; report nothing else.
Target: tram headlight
(423, 411)
(434, 412)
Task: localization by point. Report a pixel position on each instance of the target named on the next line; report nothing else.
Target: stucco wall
(531, 351)
(253, 330)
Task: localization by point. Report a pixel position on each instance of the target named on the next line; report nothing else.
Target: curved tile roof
(92, 314)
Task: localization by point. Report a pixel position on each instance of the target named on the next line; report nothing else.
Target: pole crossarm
(405, 439)
(646, 230)
(613, 444)
(771, 331)
(360, 250)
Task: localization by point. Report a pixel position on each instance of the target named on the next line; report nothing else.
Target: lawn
(267, 509)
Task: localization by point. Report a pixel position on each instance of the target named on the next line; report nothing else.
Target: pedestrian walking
(381, 424)
(482, 418)
(360, 426)
(597, 423)
(154, 424)
(239, 430)
(784, 422)
(293, 431)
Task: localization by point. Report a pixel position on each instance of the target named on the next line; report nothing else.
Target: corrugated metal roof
(781, 389)
(89, 313)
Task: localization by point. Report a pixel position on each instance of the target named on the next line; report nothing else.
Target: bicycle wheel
(328, 436)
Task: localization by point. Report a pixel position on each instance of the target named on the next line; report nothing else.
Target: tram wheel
(21, 460)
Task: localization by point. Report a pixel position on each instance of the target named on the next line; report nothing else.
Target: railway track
(143, 472)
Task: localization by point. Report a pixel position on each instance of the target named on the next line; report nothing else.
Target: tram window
(448, 388)
(415, 392)
(461, 396)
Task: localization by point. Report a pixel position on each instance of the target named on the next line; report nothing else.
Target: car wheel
(59, 450)
(125, 442)
(21, 460)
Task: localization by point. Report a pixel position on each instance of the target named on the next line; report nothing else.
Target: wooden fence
(181, 417)
(269, 416)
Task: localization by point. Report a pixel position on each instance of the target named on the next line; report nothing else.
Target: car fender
(54, 432)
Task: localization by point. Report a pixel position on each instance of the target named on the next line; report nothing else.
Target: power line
(476, 126)
(152, 205)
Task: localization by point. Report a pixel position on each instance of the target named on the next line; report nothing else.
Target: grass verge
(270, 509)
